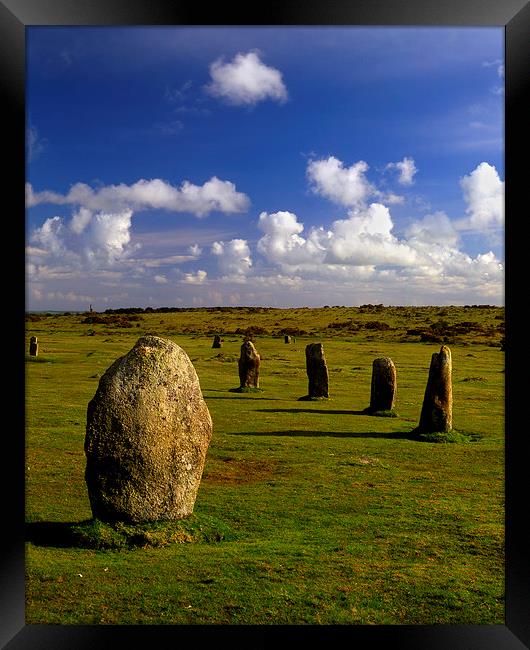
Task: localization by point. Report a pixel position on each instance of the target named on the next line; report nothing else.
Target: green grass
(308, 512)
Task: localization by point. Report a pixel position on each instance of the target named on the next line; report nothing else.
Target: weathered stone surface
(248, 366)
(33, 346)
(317, 371)
(437, 410)
(216, 341)
(147, 435)
(384, 384)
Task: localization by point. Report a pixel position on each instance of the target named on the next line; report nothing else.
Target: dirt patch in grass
(231, 471)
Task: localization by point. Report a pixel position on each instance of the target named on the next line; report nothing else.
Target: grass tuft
(389, 413)
(446, 436)
(309, 398)
(99, 535)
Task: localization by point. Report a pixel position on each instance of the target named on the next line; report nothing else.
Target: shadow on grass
(397, 435)
(316, 410)
(234, 395)
(119, 535)
(52, 533)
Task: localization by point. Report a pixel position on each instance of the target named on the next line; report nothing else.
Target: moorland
(308, 512)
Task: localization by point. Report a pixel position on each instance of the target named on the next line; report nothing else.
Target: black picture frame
(514, 15)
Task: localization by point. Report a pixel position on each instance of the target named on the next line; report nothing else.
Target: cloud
(110, 234)
(195, 250)
(392, 199)
(246, 80)
(358, 258)
(483, 192)
(170, 127)
(195, 278)
(234, 258)
(406, 168)
(365, 238)
(80, 220)
(200, 200)
(498, 64)
(282, 243)
(69, 296)
(362, 252)
(433, 229)
(35, 145)
(88, 239)
(180, 94)
(346, 186)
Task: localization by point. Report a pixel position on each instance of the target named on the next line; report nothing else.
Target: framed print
(319, 206)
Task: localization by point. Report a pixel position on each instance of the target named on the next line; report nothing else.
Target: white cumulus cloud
(94, 239)
(234, 258)
(213, 195)
(483, 192)
(282, 242)
(195, 278)
(406, 168)
(195, 250)
(246, 80)
(346, 186)
(365, 238)
(433, 229)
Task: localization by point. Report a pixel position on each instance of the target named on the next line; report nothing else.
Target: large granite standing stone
(248, 366)
(383, 387)
(33, 346)
(317, 372)
(437, 410)
(147, 434)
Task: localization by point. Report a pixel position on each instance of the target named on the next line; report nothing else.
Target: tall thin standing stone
(384, 383)
(33, 346)
(216, 341)
(437, 410)
(248, 366)
(286, 339)
(317, 371)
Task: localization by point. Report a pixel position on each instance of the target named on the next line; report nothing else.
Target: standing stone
(437, 410)
(216, 341)
(33, 346)
(147, 434)
(286, 339)
(317, 371)
(248, 366)
(383, 388)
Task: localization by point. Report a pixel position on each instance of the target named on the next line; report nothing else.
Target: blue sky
(276, 166)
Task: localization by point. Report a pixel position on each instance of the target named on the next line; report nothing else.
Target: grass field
(308, 512)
